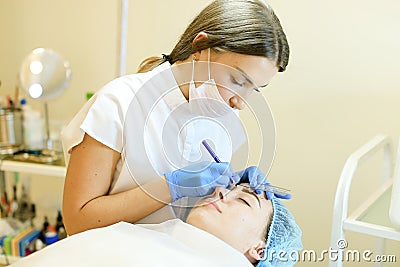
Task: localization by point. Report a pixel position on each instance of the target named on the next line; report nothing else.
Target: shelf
(55, 169)
(34, 168)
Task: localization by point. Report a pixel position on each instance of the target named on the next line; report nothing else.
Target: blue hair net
(283, 238)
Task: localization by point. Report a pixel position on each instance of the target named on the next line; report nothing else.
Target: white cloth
(172, 243)
(145, 117)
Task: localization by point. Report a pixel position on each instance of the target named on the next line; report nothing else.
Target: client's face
(239, 217)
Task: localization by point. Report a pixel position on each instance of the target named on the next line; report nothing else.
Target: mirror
(44, 74)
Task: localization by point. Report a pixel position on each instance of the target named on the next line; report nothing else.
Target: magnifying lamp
(44, 75)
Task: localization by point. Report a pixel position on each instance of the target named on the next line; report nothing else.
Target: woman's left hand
(255, 177)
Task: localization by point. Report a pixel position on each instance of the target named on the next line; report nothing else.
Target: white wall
(340, 89)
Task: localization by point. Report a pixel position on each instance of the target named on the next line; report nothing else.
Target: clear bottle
(33, 126)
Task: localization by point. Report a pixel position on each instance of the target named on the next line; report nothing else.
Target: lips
(212, 203)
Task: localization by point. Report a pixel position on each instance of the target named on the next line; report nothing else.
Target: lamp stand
(48, 154)
(49, 143)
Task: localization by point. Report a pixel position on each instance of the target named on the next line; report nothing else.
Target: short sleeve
(104, 121)
(102, 117)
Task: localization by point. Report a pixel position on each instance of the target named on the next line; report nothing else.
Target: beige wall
(341, 87)
(84, 32)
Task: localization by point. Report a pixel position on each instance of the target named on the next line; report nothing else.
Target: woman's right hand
(199, 179)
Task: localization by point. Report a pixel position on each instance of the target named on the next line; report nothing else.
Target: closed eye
(244, 201)
(234, 81)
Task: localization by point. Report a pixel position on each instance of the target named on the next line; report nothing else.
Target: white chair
(343, 222)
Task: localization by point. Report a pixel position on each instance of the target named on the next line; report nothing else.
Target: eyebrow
(253, 194)
(248, 78)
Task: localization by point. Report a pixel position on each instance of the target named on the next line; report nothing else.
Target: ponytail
(150, 63)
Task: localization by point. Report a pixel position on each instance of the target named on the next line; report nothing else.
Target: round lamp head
(44, 74)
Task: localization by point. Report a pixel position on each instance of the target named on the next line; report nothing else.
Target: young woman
(228, 228)
(127, 147)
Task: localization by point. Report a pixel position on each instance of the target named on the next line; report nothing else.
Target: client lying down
(228, 228)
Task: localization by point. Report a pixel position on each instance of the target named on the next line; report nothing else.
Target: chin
(201, 218)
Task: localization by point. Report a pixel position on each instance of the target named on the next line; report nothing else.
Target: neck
(182, 71)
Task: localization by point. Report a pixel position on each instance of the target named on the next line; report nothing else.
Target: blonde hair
(247, 27)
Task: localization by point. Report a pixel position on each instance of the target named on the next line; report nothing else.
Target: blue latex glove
(199, 179)
(255, 177)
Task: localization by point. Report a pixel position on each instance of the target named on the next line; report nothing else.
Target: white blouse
(146, 118)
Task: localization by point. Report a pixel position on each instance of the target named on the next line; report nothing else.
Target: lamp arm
(49, 145)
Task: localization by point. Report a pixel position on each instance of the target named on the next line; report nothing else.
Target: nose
(236, 102)
(220, 189)
(222, 194)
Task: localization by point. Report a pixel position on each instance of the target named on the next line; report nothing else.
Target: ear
(256, 252)
(199, 36)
